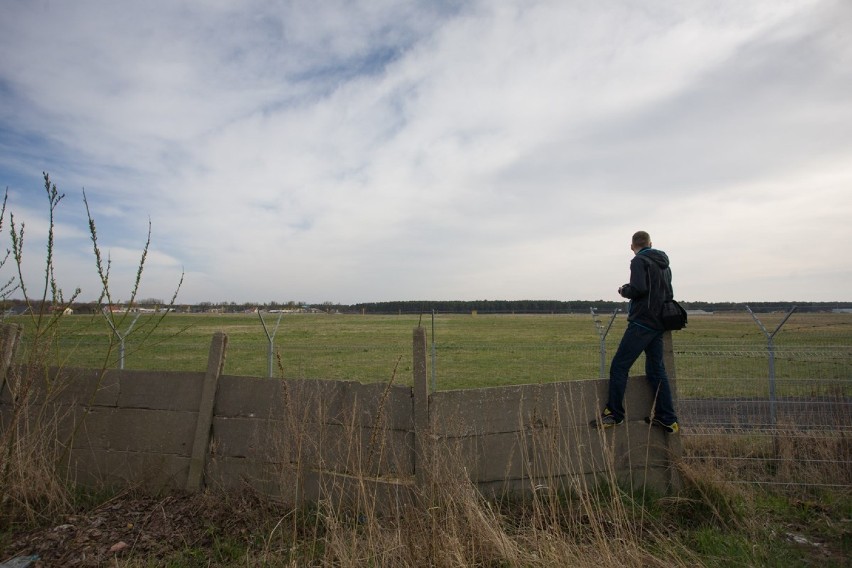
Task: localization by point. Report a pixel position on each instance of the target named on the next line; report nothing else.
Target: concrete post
(675, 446)
(669, 361)
(421, 409)
(201, 442)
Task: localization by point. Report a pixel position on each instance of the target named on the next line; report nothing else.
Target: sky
(361, 151)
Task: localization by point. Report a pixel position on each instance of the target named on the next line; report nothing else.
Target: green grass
(470, 351)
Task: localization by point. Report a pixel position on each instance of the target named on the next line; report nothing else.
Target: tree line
(442, 306)
(564, 307)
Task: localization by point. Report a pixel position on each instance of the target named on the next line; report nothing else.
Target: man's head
(641, 239)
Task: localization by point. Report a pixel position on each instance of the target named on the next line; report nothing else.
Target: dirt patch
(140, 527)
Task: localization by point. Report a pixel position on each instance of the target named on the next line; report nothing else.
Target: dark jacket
(650, 285)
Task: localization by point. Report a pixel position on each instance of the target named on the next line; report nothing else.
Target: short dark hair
(641, 239)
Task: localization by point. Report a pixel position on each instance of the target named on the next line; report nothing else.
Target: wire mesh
(788, 423)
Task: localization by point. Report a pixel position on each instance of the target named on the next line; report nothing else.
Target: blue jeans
(637, 339)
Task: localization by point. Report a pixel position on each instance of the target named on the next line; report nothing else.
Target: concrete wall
(522, 437)
(114, 428)
(304, 439)
(299, 439)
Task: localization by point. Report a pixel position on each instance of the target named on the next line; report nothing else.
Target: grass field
(469, 351)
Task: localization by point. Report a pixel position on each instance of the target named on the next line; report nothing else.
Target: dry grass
(448, 523)
(350, 512)
(31, 486)
(31, 449)
(784, 457)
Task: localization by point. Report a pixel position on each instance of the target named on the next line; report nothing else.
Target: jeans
(637, 339)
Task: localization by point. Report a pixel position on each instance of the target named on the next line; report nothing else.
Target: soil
(138, 527)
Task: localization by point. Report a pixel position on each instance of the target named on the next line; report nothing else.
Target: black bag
(673, 316)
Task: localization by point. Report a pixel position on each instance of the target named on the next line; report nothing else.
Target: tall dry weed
(359, 514)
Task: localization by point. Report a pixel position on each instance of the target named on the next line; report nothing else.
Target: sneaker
(607, 420)
(672, 428)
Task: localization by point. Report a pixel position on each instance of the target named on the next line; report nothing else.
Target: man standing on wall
(650, 285)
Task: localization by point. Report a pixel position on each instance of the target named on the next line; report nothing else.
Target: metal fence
(777, 415)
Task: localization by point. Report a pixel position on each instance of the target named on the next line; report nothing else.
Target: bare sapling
(36, 480)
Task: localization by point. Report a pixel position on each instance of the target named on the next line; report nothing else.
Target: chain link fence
(773, 406)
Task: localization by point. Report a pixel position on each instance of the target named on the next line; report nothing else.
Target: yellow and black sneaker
(607, 420)
(672, 428)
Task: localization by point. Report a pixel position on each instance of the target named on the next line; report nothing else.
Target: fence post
(201, 442)
(602, 333)
(770, 348)
(270, 349)
(421, 409)
(121, 337)
(674, 444)
(669, 362)
(434, 356)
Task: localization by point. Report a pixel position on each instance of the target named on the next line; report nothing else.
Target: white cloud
(381, 150)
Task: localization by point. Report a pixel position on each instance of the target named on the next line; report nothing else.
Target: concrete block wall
(520, 437)
(302, 439)
(293, 438)
(117, 427)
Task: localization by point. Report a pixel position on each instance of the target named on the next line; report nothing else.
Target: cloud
(351, 151)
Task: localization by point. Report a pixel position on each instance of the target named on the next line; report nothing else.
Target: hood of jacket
(656, 256)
